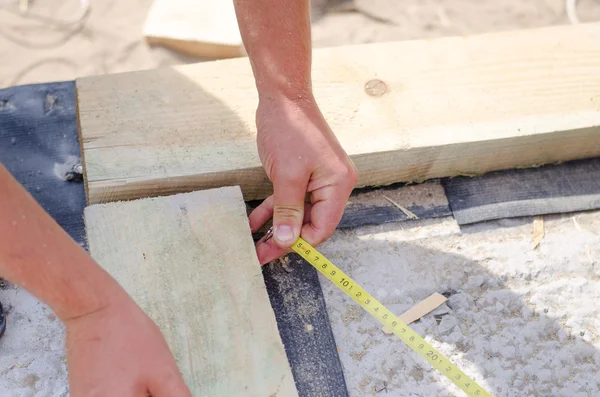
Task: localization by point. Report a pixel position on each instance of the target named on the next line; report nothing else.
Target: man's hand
(297, 148)
(301, 156)
(118, 351)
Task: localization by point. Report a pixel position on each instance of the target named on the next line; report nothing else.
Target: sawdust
(301, 302)
(364, 383)
(30, 380)
(353, 313)
(296, 295)
(417, 373)
(358, 355)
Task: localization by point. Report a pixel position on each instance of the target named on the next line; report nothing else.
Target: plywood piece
(444, 107)
(189, 261)
(203, 28)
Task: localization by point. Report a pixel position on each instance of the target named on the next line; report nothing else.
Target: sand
(520, 321)
(524, 322)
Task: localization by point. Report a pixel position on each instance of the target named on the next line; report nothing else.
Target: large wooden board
(203, 28)
(444, 107)
(188, 260)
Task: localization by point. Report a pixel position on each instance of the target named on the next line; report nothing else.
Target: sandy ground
(520, 321)
(524, 322)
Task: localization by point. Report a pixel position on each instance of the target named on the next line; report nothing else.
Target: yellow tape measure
(387, 318)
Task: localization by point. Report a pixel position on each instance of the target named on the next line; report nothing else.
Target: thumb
(288, 209)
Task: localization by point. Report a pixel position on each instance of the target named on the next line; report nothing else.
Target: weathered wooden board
(188, 260)
(404, 111)
(202, 28)
(40, 123)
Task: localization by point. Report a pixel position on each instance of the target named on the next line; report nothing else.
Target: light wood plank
(452, 106)
(189, 261)
(202, 28)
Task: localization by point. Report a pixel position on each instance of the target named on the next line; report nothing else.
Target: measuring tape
(387, 318)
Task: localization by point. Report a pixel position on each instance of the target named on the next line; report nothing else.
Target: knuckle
(348, 176)
(289, 169)
(293, 176)
(323, 235)
(327, 233)
(287, 212)
(353, 175)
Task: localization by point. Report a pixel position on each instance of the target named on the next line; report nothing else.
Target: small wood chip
(538, 231)
(427, 305)
(408, 213)
(588, 252)
(577, 226)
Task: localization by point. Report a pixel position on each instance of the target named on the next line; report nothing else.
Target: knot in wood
(375, 87)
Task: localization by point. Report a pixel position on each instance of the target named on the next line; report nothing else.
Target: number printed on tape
(387, 318)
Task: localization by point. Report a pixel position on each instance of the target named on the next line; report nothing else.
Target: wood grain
(445, 107)
(188, 260)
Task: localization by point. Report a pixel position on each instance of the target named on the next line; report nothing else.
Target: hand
(301, 157)
(118, 351)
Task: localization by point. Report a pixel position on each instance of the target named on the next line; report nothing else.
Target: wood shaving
(538, 231)
(408, 213)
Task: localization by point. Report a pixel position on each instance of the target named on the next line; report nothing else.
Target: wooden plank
(39, 122)
(202, 28)
(444, 107)
(189, 261)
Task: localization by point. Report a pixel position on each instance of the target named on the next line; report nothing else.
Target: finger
(261, 214)
(169, 384)
(269, 251)
(288, 209)
(326, 213)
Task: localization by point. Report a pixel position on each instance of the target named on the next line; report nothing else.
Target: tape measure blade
(423, 348)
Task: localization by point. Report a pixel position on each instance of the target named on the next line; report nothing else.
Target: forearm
(38, 255)
(276, 34)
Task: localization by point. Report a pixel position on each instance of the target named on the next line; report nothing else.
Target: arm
(277, 38)
(300, 154)
(103, 324)
(36, 254)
